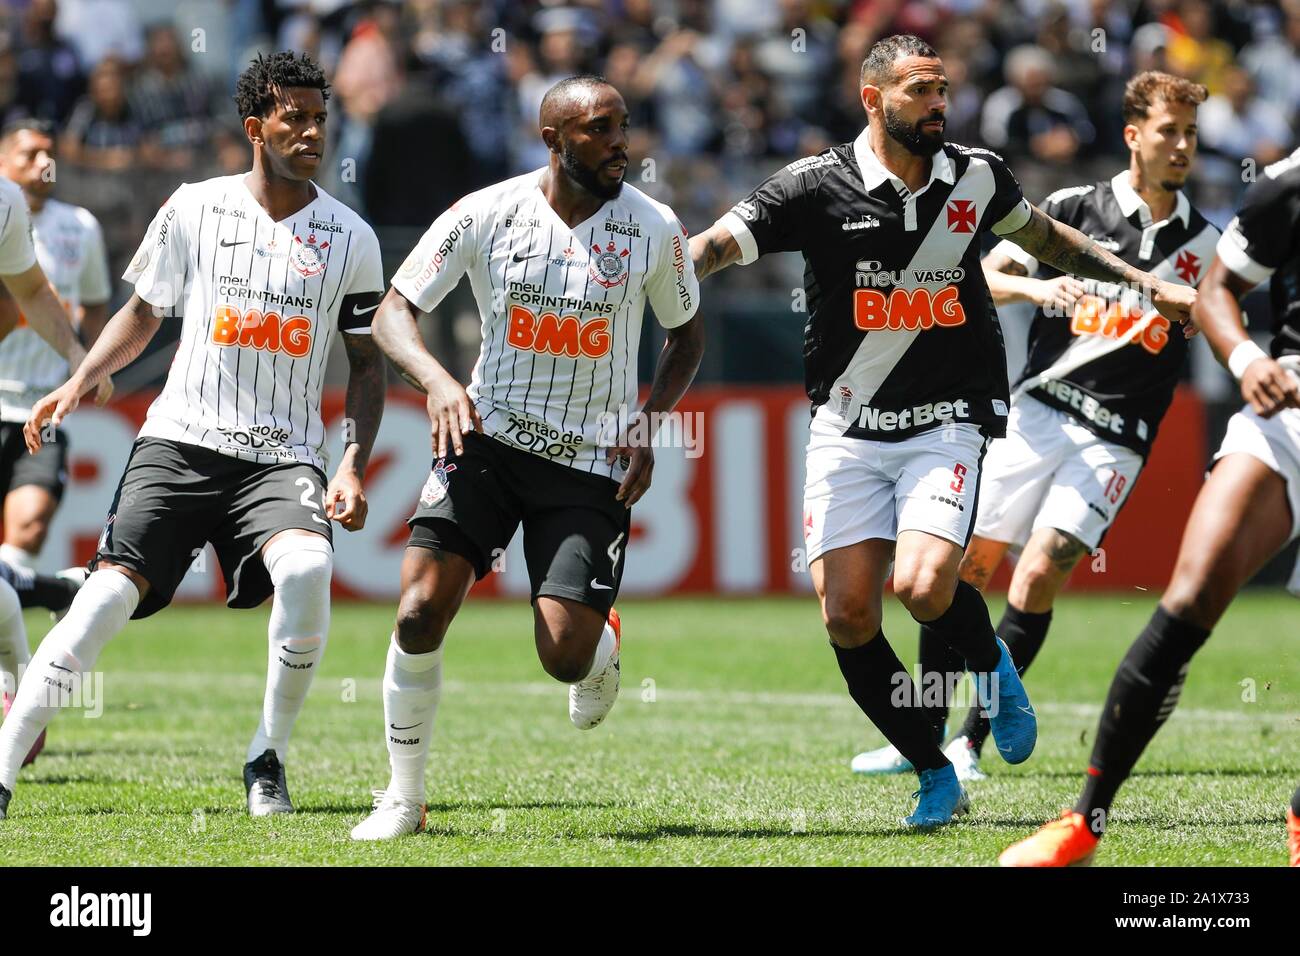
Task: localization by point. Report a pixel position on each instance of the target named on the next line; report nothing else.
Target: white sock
(14, 653)
(412, 686)
(101, 609)
(604, 651)
(15, 555)
(300, 567)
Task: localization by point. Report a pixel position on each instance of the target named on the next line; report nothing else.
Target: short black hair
(42, 126)
(567, 88)
(255, 92)
(878, 67)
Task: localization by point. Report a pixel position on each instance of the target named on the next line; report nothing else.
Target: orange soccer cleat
(1063, 842)
(1293, 836)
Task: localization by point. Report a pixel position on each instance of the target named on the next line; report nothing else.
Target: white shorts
(1051, 472)
(1274, 441)
(857, 489)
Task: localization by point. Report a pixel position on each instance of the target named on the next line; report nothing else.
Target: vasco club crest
(308, 257)
(608, 267)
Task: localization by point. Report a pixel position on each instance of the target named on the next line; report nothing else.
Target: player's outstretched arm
(46, 316)
(713, 250)
(1072, 252)
(363, 407)
(451, 413)
(678, 363)
(123, 338)
(1009, 281)
(1265, 385)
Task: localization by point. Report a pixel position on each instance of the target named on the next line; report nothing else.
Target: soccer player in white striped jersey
(70, 249)
(265, 270)
(562, 261)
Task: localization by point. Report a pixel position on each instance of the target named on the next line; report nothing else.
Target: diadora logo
(265, 331)
(550, 334)
(1188, 267)
(908, 310)
(865, 222)
(961, 215)
(1114, 320)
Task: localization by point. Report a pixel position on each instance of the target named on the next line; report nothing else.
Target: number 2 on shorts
(309, 489)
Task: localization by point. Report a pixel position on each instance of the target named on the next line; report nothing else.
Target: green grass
(730, 746)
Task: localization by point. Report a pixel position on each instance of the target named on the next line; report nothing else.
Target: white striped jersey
(70, 250)
(561, 308)
(17, 254)
(260, 302)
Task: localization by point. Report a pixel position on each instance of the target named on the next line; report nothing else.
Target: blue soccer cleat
(941, 799)
(1011, 716)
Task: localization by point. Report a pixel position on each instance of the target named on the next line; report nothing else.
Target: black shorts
(174, 498)
(575, 532)
(47, 469)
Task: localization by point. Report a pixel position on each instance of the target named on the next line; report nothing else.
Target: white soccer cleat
(591, 700)
(390, 819)
(964, 760)
(885, 760)
(76, 576)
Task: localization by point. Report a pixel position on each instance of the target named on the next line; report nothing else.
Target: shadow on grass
(485, 806)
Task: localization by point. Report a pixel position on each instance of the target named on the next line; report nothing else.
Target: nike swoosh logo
(519, 258)
(290, 650)
(601, 587)
(357, 310)
(66, 670)
(1027, 710)
(226, 243)
(395, 727)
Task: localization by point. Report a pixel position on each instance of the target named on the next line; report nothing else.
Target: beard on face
(914, 139)
(586, 177)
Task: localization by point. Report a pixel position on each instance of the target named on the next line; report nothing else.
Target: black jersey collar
(1130, 202)
(874, 173)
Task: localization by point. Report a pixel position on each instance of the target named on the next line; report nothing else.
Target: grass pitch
(730, 745)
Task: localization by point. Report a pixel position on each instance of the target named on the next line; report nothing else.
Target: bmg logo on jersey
(265, 331)
(1115, 320)
(907, 310)
(551, 334)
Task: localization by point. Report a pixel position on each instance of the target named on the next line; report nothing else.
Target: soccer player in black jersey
(906, 373)
(1247, 511)
(1100, 375)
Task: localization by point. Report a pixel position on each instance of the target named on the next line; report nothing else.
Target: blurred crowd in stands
(433, 98)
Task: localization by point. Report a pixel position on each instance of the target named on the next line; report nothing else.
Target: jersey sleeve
(158, 269)
(447, 249)
(771, 218)
(673, 290)
(365, 290)
(1065, 206)
(17, 251)
(94, 285)
(1008, 210)
(1262, 236)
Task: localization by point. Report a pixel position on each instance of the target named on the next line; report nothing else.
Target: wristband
(1242, 356)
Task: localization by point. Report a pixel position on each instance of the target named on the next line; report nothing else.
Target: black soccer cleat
(5, 796)
(264, 782)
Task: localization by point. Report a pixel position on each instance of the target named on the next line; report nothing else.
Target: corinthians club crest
(435, 489)
(609, 268)
(308, 257)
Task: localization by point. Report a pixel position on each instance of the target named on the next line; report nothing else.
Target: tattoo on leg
(1064, 551)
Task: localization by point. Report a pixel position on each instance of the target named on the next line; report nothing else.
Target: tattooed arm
(1074, 253)
(363, 408)
(713, 250)
(451, 412)
(123, 338)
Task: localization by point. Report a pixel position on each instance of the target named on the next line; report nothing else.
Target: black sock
(941, 669)
(1142, 695)
(1295, 802)
(879, 684)
(1023, 633)
(968, 630)
(38, 590)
